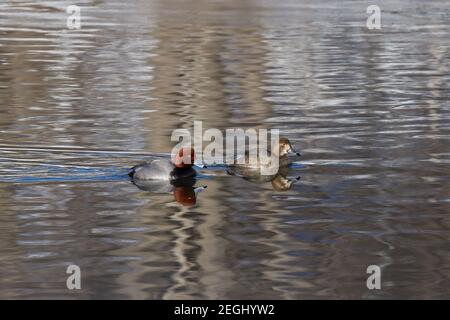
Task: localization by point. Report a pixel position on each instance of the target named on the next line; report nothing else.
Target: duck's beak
(292, 151)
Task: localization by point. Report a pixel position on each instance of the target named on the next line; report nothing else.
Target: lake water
(369, 110)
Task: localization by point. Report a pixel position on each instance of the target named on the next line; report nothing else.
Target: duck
(278, 179)
(282, 149)
(178, 167)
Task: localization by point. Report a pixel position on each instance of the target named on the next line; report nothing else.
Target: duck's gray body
(160, 169)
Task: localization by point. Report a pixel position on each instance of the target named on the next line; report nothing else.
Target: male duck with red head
(179, 167)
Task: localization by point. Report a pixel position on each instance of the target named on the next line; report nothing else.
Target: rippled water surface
(369, 109)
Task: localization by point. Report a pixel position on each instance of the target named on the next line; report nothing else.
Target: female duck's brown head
(284, 147)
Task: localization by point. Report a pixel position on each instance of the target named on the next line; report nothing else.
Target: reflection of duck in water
(253, 172)
(179, 167)
(280, 180)
(183, 190)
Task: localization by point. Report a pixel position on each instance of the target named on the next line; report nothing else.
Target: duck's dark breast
(181, 173)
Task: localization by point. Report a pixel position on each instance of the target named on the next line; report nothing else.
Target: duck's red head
(184, 158)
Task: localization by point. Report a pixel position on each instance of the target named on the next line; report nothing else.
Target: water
(369, 109)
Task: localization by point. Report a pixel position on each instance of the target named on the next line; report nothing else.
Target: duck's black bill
(292, 151)
(131, 172)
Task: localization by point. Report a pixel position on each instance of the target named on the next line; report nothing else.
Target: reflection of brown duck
(279, 180)
(183, 190)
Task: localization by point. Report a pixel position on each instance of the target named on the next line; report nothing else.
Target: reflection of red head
(185, 195)
(184, 158)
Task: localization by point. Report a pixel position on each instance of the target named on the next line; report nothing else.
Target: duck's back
(153, 170)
